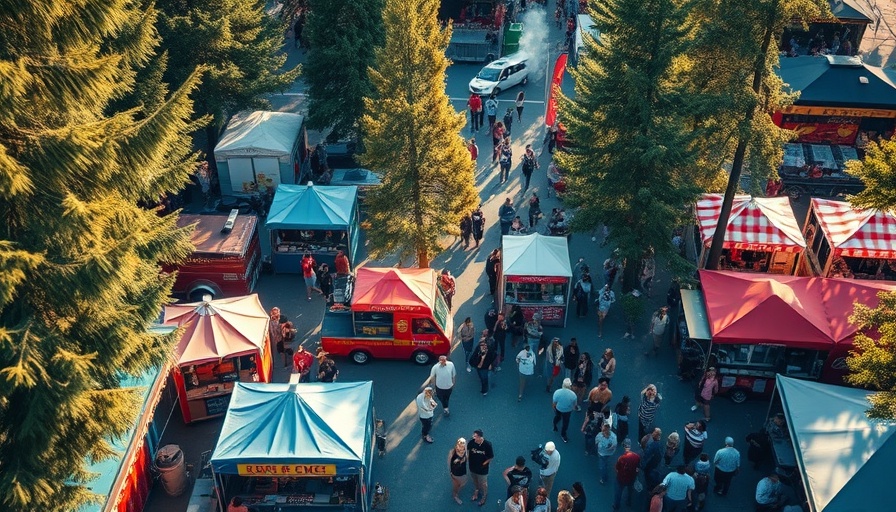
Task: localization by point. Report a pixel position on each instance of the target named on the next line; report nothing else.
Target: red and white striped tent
(762, 224)
(854, 232)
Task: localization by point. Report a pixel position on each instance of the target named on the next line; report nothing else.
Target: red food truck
(390, 313)
(226, 259)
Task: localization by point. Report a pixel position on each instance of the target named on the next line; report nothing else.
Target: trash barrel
(172, 469)
(512, 35)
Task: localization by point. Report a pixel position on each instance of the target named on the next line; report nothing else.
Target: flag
(550, 116)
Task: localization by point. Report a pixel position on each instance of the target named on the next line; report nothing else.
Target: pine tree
(633, 165)
(343, 35)
(239, 47)
(872, 364)
(878, 172)
(79, 261)
(412, 138)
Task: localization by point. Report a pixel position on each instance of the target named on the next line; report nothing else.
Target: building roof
(837, 81)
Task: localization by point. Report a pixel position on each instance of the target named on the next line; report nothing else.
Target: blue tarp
(309, 423)
(313, 207)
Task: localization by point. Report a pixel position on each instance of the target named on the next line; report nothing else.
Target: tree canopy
(873, 362)
(79, 261)
(411, 135)
(343, 35)
(878, 172)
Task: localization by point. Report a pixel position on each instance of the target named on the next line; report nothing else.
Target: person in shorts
(480, 455)
(308, 266)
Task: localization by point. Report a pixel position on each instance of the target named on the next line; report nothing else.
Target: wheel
(738, 395)
(496, 91)
(421, 357)
(360, 357)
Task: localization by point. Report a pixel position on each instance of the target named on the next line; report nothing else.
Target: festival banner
(550, 115)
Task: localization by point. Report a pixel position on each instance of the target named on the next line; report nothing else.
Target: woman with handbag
(553, 362)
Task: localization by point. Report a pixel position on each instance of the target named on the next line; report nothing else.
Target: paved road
(416, 472)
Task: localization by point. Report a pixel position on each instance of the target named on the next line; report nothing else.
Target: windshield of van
(489, 74)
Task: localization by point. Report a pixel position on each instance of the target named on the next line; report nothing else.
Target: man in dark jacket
(483, 360)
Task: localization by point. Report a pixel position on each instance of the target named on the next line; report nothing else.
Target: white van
(584, 24)
(502, 74)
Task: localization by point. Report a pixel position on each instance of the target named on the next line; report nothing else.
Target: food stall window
(804, 363)
(373, 323)
(423, 326)
(291, 240)
(291, 493)
(534, 292)
(750, 355)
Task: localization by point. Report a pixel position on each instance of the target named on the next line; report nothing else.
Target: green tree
(412, 138)
(873, 363)
(343, 35)
(633, 166)
(239, 47)
(878, 173)
(79, 261)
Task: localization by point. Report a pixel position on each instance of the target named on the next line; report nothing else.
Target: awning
(313, 207)
(394, 289)
(857, 233)
(695, 314)
(756, 223)
(535, 255)
(260, 133)
(844, 458)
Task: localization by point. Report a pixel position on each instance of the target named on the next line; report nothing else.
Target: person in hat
(426, 404)
(727, 464)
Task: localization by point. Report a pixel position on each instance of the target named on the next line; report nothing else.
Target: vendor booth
(842, 461)
(761, 325)
(535, 274)
(316, 219)
(849, 242)
(225, 341)
(762, 234)
(291, 447)
(260, 150)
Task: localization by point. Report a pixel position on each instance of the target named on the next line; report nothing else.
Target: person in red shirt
(341, 263)
(476, 114)
(236, 505)
(308, 266)
(302, 363)
(473, 149)
(627, 467)
(448, 286)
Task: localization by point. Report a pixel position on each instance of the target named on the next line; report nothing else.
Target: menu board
(217, 405)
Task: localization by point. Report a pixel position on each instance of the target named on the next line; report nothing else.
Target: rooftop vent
(844, 61)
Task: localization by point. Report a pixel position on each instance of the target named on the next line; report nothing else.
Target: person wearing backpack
(530, 163)
(590, 428)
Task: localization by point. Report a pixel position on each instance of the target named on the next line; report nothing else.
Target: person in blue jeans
(564, 402)
(627, 467)
(483, 361)
(606, 448)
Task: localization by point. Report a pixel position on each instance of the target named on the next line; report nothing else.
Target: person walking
(648, 271)
(530, 163)
(525, 359)
(534, 333)
(605, 299)
(517, 324)
(275, 333)
(607, 365)
(308, 266)
(606, 448)
(491, 269)
(706, 390)
(549, 472)
(579, 501)
(520, 100)
(623, 409)
(657, 495)
(612, 266)
(591, 427)
(679, 490)
(457, 468)
(483, 360)
(499, 334)
(473, 149)
(448, 287)
(553, 363)
(491, 111)
(571, 355)
(599, 396)
(627, 467)
(442, 376)
(695, 435)
(478, 225)
(564, 402)
(475, 106)
(506, 213)
(505, 160)
(287, 337)
(481, 455)
(727, 464)
(673, 446)
(652, 444)
(658, 323)
(518, 476)
(534, 210)
(497, 140)
(302, 362)
(466, 229)
(466, 333)
(425, 407)
(581, 377)
(325, 281)
(650, 402)
(508, 121)
(582, 295)
(702, 467)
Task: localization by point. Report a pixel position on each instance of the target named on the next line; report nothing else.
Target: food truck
(290, 447)
(536, 275)
(226, 259)
(762, 325)
(224, 342)
(390, 313)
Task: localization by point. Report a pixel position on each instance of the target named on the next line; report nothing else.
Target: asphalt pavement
(416, 472)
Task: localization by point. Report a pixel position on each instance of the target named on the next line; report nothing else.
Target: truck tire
(738, 395)
(489, 58)
(360, 357)
(421, 357)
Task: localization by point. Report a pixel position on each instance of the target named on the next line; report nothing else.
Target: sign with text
(286, 469)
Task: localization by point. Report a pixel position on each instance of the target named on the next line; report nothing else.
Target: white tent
(844, 458)
(536, 255)
(259, 149)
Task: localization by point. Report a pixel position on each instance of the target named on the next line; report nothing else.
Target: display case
(208, 386)
(289, 494)
(535, 293)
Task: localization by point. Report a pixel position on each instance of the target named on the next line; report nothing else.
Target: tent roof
(850, 10)
(535, 255)
(845, 458)
(756, 223)
(260, 133)
(862, 233)
(808, 312)
(219, 328)
(285, 423)
(833, 80)
(312, 207)
(208, 239)
(394, 287)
